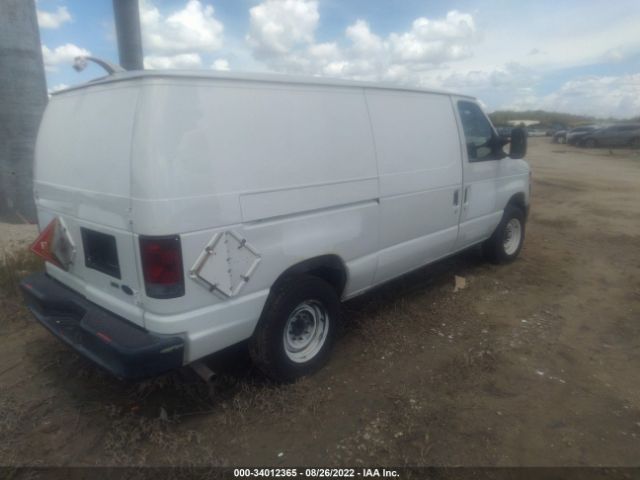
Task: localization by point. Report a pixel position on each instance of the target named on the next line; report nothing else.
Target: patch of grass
(129, 435)
(164, 421)
(259, 400)
(12, 413)
(13, 268)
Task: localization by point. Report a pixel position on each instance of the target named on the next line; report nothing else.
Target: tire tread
(261, 348)
(493, 248)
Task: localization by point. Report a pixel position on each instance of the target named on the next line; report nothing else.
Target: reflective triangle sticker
(54, 245)
(42, 245)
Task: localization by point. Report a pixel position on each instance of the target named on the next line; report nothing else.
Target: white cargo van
(184, 212)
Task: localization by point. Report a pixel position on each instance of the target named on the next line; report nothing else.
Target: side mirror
(518, 148)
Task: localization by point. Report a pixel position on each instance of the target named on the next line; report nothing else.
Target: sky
(580, 57)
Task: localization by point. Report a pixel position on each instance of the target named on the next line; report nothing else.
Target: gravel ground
(533, 363)
(14, 237)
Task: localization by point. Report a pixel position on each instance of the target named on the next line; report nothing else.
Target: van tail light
(162, 266)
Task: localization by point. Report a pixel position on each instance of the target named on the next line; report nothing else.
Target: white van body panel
(217, 143)
(419, 160)
(299, 168)
(82, 175)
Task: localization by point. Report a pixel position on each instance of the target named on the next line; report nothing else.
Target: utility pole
(23, 94)
(23, 97)
(127, 17)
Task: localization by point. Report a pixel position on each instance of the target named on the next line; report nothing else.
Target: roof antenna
(81, 62)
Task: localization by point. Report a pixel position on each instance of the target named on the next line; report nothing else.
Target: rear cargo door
(83, 177)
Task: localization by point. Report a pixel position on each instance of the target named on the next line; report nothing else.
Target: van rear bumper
(122, 348)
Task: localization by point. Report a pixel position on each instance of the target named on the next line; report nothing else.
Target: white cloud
(364, 41)
(60, 86)
(599, 96)
(555, 42)
(326, 51)
(179, 61)
(282, 35)
(505, 70)
(53, 19)
(278, 26)
(435, 41)
(190, 30)
(220, 64)
(64, 54)
(604, 96)
(511, 74)
(615, 55)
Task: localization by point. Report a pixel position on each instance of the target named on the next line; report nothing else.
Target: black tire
(267, 345)
(494, 248)
(590, 143)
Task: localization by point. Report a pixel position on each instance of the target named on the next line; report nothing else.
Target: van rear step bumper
(120, 347)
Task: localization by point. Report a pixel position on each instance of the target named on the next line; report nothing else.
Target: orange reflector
(44, 243)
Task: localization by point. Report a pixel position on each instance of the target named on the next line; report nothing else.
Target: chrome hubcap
(305, 331)
(512, 236)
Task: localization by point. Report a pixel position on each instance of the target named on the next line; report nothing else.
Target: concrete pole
(127, 17)
(23, 97)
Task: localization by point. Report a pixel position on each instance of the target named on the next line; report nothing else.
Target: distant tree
(545, 119)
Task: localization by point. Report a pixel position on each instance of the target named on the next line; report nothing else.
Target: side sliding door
(420, 171)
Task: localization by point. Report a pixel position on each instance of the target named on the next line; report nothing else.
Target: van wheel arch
(330, 268)
(518, 200)
(318, 281)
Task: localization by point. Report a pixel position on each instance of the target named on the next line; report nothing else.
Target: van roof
(251, 77)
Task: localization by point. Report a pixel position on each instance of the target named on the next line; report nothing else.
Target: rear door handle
(465, 198)
(456, 197)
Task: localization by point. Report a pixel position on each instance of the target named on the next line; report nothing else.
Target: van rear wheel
(506, 242)
(297, 328)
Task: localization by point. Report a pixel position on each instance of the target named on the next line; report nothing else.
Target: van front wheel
(297, 328)
(506, 242)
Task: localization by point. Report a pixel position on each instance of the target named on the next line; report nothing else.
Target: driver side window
(477, 131)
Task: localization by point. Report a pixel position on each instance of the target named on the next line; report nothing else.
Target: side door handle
(456, 197)
(465, 198)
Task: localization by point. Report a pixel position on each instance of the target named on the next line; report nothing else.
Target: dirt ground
(534, 363)
(14, 237)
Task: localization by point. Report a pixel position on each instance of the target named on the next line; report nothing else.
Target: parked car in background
(622, 135)
(504, 131)
(551, 131)
(535, 132)
(576, 134)
(559, 137)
